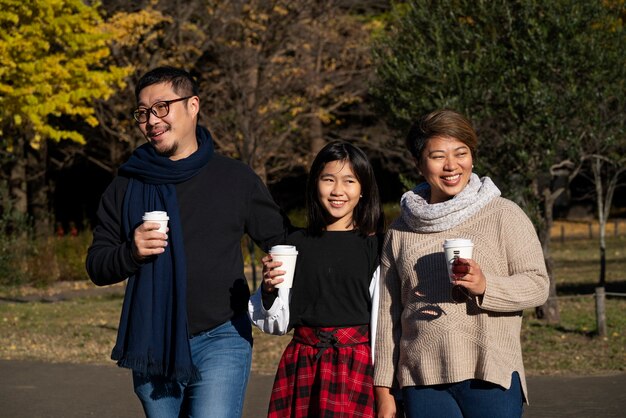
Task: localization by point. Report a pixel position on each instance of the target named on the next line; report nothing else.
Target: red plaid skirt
(325, 372)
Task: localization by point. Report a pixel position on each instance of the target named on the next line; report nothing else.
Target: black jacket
(224, 201)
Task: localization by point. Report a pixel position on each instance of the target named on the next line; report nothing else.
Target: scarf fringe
(149, 367)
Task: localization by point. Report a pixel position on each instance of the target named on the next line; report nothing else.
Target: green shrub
(15, 228)
(40, 262)
(28, 259)
(70, 253)
(9, 254)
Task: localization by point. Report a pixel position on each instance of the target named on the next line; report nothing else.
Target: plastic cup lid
(155, 215)
(458, 242)
(283, 249)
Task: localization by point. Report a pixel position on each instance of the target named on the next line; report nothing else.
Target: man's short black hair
(182, 82)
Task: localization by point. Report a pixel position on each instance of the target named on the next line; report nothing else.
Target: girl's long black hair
(368, 213)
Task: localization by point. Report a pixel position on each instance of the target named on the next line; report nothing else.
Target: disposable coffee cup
(287, 254)
(159, 217)
(456, 248)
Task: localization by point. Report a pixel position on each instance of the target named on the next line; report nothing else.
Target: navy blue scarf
(152, 338)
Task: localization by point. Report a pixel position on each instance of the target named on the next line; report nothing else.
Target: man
(183, 329)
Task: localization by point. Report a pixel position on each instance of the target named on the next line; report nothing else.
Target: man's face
(172, 135)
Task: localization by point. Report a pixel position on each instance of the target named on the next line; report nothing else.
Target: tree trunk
(602, 266)
(602, 219)
(38, 189)
(316, 138)
(18, 191)
(313, 62)
(248, 106)
(549, 311)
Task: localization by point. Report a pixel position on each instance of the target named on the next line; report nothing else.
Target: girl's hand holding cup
(270, 275)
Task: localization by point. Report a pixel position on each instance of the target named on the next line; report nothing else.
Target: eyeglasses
(159, 109)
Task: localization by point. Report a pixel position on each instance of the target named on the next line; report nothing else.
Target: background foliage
(53, 68)
(543, 83)
(518, 70)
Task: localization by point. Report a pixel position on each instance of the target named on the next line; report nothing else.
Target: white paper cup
(457, 247)
(287, 254)
(159, 217)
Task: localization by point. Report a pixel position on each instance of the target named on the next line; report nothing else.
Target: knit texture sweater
(423, 337)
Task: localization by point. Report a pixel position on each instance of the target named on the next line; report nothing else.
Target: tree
(248, 74)
(138, 41)
(607, 176)
(335, 64)
(604, 125)
(51, 54)
(280, 75)
(517, 69)
(278, 78)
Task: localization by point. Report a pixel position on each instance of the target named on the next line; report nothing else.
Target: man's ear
(193, 105)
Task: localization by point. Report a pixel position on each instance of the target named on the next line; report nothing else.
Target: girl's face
(446, 165)
(338, 191)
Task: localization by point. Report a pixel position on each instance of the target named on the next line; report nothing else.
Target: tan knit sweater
(423, 337)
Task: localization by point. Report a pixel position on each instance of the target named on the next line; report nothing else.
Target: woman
(326, 370)
(453, 344)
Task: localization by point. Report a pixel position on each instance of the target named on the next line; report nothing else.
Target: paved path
(30, 389)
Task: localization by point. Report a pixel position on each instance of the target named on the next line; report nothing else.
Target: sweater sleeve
(527, 283)
(109, 258)
(389, 315)
(266, 223)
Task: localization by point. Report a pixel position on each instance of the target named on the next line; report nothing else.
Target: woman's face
(338, 190)
(446, 164)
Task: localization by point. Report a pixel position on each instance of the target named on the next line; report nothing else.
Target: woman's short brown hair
(440, 123)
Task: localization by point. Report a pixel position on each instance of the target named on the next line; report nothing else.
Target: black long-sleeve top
(220, 204)
(332, 278)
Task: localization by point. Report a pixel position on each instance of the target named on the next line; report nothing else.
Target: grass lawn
(84, 329)
(573, 346)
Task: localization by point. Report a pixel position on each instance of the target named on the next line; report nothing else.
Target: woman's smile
(446, 164)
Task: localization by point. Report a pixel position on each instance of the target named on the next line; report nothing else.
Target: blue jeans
(468, 399)
(223, 356)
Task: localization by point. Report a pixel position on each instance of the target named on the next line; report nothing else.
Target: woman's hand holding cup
(467, 273)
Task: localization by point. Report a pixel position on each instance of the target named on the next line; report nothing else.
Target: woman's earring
(360, 195)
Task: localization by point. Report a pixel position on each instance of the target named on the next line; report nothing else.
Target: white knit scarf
(421, 216)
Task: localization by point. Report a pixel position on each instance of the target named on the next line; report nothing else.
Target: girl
(326, 370)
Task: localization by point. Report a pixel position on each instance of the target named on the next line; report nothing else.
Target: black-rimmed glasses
(159, 109)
